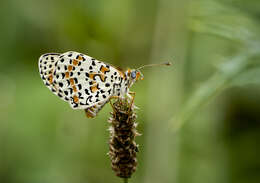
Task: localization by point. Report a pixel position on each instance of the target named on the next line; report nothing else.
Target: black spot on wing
(80, 95)
(71, 90)
(87, 92)
(76, 80)
(93, 62)
(89, 99)
(109, 91)
(97, 95)
(79, 86)
(68, 82)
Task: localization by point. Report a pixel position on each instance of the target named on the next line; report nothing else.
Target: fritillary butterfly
(85, 82)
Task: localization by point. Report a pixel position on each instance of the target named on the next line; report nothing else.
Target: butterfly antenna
(152, 65)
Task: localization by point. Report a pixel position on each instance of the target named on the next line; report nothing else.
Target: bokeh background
(199, 119)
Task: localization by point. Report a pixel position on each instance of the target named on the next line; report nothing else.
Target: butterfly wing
(82, 80)
(47, 64)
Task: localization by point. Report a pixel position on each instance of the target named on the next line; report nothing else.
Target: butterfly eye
(133, 74)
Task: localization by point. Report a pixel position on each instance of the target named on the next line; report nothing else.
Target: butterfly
(84, 82)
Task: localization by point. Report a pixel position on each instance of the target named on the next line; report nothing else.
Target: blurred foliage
(209, 98)
(212, 17)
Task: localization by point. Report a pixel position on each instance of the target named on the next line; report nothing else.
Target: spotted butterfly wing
(47, 64)
(83, 81)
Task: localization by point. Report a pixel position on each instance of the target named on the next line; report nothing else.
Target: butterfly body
(84, 82)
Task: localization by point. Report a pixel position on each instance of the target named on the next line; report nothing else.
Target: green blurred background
(199, 119)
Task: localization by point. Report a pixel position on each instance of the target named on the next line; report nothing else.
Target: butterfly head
(134, 75)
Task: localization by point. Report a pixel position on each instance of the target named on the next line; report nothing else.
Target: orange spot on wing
(74, 88)
(72, 81)
(67, 74)
(102, 77)
(93, 88)
(80, 57)
(76, 99)
(70, 68)
(51, 79)
(91, 76)
(104, 69)
(75, 62)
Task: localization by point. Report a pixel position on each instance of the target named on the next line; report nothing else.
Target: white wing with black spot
(82, 80)
(47, 64)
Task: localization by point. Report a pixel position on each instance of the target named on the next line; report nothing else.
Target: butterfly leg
(131, 95)
(132, 99)
(113, 97)
(90, 112)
